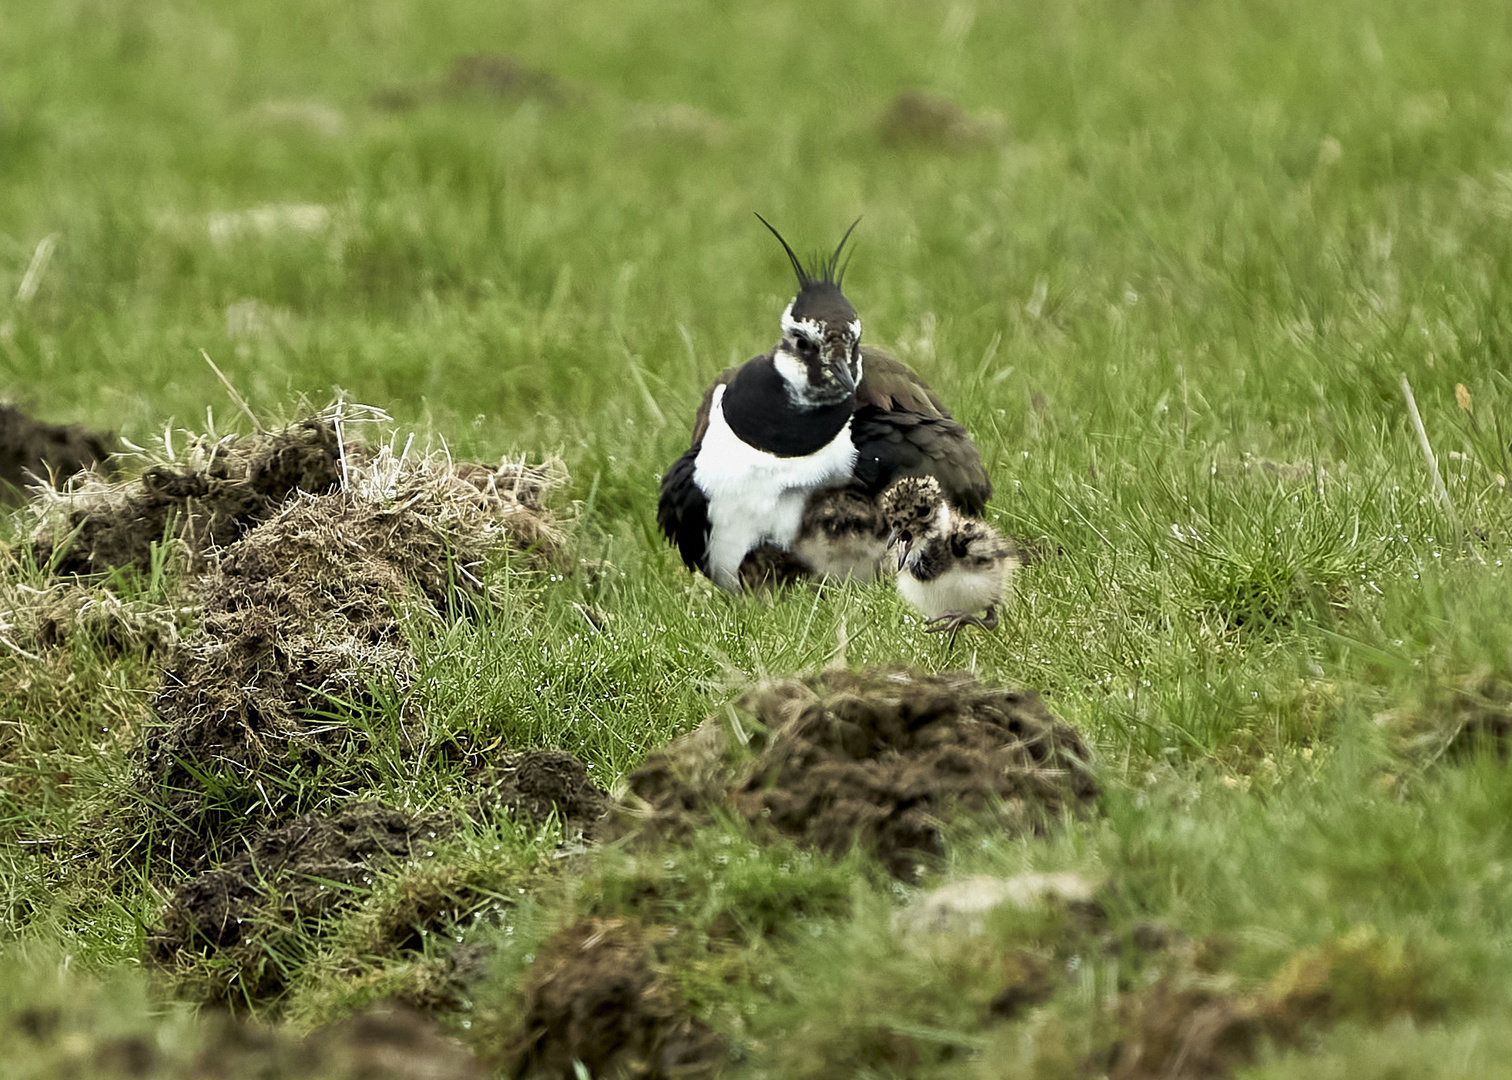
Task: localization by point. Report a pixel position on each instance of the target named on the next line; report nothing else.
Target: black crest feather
(827, 271)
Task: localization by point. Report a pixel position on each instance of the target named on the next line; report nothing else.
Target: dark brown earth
(1029, 979)
(293, 874)
(881, 758)
(535, 784)
(1481, 715)
(920, 118)
(215, 495)
(32, 450)
(297, 872)
(484, 74)
(306, 606)
(306, 611)
(383, 1042)
(596, 996)
(1191, 1024)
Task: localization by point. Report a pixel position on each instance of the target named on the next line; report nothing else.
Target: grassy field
(1173, 264)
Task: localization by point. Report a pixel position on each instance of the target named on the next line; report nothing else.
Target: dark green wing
(902, 429)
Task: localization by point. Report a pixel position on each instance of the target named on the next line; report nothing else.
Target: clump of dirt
(1461, 717)
(1182, 1031)
(308, 607)
(920, 118)
(1482, 715)
(507, 502)
(384, 1042)
(504, 77)
(1192, 1024)
(488, 74)
(66, 612)
(31, 450)
(207, 498)
(880, 758)
(1029, 978)
(596, 996)
(535, 784)
(246, 912)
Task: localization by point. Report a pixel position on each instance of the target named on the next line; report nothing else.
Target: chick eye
(806, 347)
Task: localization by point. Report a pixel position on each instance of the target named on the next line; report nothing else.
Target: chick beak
(901, 540)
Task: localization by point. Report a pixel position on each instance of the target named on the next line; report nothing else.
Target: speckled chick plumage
(950, 566)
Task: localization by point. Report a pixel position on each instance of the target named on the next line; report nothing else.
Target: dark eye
(806, 347)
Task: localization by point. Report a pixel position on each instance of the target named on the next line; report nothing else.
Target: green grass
(1173, 302)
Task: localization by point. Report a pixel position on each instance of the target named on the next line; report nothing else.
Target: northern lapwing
(950, 565)
(789, 445)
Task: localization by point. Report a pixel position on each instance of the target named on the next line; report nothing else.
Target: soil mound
(1192, 1024)
(919, 118)
(383, 1042)
(1185, 1032)
(596, 997)
(386, 1042)
(297, 872)
(309, 606)
(66, 612)
(879, 758)
(208, 498)
(535, 784)
(31, 450)
(483, 74)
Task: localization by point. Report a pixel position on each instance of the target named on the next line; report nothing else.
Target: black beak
(838, 361)
(902, 540)
(846, 379)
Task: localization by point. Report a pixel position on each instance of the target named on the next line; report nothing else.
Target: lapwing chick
(950, 565)
(818, 412)
(842, 535)
(767, 568)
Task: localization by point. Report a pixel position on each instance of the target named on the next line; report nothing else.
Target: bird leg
(952, 622)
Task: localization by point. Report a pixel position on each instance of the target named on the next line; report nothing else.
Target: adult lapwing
(950, 565)
(785, 444)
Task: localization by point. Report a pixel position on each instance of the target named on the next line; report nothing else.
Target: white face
(801, 361)
(940, 523)
(937, 524)
(794, 372)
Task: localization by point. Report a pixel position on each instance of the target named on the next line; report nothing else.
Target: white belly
(756, 497)
(968, 591)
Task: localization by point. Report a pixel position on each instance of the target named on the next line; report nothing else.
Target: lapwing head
(819, 356)
(913, 508)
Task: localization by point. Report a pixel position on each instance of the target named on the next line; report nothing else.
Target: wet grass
(1172, 281)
